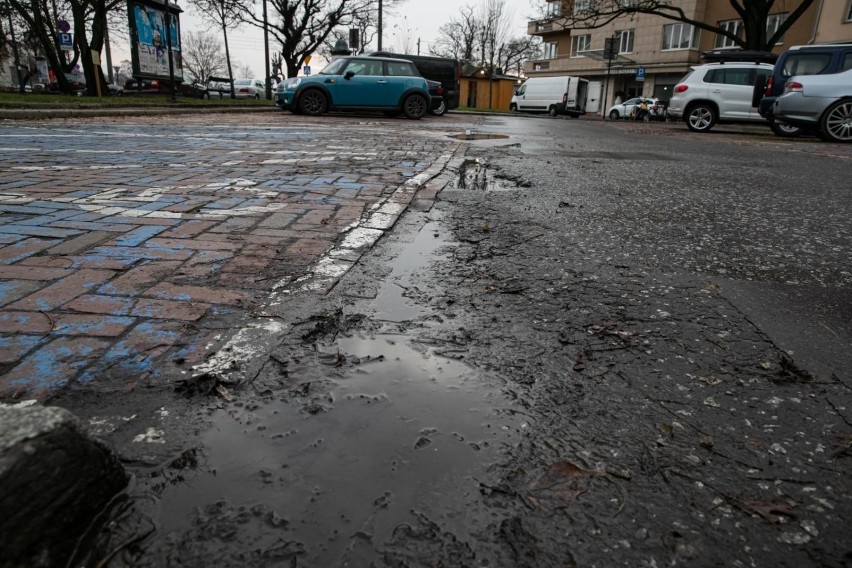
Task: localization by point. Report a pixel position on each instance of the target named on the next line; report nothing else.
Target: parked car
(220, 88)
(249, 88)
(554, 95)
(717, 93)
(115, 90)
(822, 103)
(358, 83)
(438, 106)
(445, 70)
(77, 86)
(628, 107)
(820, 59)
(194, 90)
(146, 87)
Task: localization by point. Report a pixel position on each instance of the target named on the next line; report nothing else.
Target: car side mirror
(349, 75)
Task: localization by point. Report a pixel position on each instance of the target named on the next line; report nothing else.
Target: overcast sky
(421, 17)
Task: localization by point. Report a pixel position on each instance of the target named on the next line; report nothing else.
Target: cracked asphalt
(615, 345)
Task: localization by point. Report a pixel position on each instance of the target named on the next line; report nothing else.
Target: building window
(731, 26)
(625, 41)
(849, 12)
(549, 49)
(554, 8)
(773, 22)
(579, 44)
(679, 36)
(581, 6)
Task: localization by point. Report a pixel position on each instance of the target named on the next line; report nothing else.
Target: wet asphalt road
(625, 345)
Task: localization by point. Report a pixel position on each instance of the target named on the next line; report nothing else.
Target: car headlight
(291, 83)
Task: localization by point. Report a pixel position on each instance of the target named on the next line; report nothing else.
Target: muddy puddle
(400, 433)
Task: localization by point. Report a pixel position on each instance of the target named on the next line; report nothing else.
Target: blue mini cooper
(358, 83)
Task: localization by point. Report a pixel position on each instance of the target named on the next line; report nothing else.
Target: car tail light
(793, 86)
(440, 90)
(681, 88)
(155, 84)
(769, 83)
(244, 90)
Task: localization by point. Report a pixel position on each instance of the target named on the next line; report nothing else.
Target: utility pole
(380, 25)
(268, 80)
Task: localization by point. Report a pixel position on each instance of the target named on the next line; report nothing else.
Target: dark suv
(821, 59)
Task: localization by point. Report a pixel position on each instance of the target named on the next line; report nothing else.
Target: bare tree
(88, 20)
(243, 70)
(754, 15)
(457, 39)
(202, 56)
(300, 27)
(225, 14)
(517, 51)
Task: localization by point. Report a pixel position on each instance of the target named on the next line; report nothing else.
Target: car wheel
(313, 102)
(613, 115)
(552, 110)
(513, 108)
(785, 130)
(441, 110)
(414, 107)
(700, 117)
(836, 122)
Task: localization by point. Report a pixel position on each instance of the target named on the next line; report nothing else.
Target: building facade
(653, 52)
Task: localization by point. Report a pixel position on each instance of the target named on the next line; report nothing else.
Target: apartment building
(655, 52)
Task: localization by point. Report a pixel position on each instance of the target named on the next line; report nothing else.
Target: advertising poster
(149, 43)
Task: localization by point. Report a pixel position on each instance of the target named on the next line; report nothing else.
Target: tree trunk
(228, 57)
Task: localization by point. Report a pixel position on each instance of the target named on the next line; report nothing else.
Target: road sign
(306, 70)
(307, 60)
(66, 42)
(640, 74)
(63, 26)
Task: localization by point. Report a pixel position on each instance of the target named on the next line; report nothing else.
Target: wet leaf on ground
(563, 481)
(772, 510)
(792, 373)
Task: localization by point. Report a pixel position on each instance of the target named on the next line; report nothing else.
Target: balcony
(545, 27)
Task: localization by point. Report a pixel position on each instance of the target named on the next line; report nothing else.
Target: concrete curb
(45, 113)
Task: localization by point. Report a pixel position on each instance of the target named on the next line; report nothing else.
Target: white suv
(718, 93)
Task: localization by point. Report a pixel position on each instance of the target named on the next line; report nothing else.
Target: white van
(553, 95)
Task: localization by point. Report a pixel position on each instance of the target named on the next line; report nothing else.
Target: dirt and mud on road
(574, 358)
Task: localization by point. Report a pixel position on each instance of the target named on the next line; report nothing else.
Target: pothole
(476, 175)
(470, 135)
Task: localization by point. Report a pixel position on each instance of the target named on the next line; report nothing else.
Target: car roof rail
(738, 55)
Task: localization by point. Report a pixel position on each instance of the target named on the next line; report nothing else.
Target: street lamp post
(380, 25)
(169, 48)
(268, 81)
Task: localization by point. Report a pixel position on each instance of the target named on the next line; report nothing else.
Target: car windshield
(334, 67)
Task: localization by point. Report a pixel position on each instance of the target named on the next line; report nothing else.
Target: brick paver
(123, 265)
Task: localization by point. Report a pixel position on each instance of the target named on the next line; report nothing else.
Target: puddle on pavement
(475, 174)
(402, 431)
(471, 136)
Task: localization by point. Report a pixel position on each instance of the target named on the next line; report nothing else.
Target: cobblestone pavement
(130, 246)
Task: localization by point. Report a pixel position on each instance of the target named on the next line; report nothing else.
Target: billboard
(148, 41)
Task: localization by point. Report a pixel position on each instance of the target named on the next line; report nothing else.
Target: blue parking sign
(306, 70)
(66, 42)
(640, 74)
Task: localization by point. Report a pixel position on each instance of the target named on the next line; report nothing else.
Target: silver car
(822, 103)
